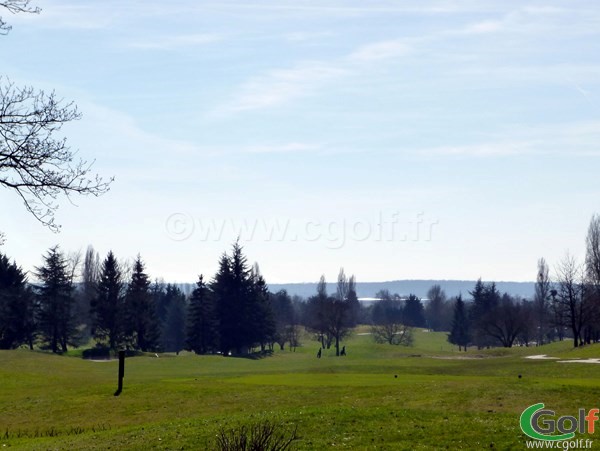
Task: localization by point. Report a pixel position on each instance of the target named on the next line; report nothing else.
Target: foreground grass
(378, 397)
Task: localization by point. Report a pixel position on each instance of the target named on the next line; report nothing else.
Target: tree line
(564, 306)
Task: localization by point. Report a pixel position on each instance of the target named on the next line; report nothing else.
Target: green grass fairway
(440, 399)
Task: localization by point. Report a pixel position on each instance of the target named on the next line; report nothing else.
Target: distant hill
(406, 287)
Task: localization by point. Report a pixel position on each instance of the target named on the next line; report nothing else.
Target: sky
(397, 139)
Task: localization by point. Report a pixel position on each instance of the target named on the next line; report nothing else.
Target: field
(428, 396)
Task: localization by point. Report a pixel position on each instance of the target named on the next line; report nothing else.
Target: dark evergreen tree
(260, 318)
(108, 307)
(55, 297)
(460, 331)
(203, 323)
(173, 330)
(485, 301)
(17, 307)
(245, 320)
(413, 312)
(141, 322)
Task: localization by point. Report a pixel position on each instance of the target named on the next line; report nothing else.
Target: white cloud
(283, 148)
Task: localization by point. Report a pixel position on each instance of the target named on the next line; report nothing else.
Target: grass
(428, 396)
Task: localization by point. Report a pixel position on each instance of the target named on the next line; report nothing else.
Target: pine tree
(108, 305)
(173, 331)
(141, 322)
(55, 297)
(260, 319)
(413, 312)
(203, 324)
(460, 332)
(17, 313)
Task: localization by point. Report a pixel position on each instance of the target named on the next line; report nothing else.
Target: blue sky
(473, 127)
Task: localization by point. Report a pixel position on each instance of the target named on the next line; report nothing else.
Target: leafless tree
(541, 300)
(569, 275)
(505, 323)
(394, 333)
(592, 273)
(35, 163)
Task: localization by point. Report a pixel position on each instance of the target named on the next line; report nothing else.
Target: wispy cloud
(381, 51)
(282, 85)
(176, 42)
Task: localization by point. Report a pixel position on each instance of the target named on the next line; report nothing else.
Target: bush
(262, 436)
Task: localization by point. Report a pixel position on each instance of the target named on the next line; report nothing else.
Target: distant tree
(505, 322)
(141, 323)
(485, 300)
(569, 276)
(108, 307)
(17, 306)
(460, 333)
(592, 276)
(260, 320)
(353, 303)
(281, 305)
(339, 318)
(55, 297)
(413, 312)
(541, 301)
(528, 316)
(388, 325)
(317, 313)
(173, 333)
(203, 323)
(87, 290)
(393, 333)
(241, 296)
(435, 309)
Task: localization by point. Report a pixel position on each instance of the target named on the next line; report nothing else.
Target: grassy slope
(354, 402)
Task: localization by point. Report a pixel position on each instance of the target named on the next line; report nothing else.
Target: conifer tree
(203, 324)
(460, 332)
(108, 305)
(55, 297)
(141, 322)
(17, 307)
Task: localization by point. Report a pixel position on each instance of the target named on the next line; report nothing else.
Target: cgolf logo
(539, 423)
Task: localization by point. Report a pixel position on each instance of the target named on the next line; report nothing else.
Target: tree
(339, 312)
(281, 305)
(17, 307)
(388, 325)
(505, 322)
(485, 300)
(34, 163)
(569, 276)
(541, 300)
(393, 333)
(173, 336)
(460, 333)
(55, 296)
(203, 323)
(413, 313)
(592, 275)
(261, 322)
(317, 312)
(141, 323)
(108, 305)
(436, 308)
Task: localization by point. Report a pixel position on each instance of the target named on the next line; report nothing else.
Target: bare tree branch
(34, 163)
(14, 7)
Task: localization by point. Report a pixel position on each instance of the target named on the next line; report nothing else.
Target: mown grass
(428, 396)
